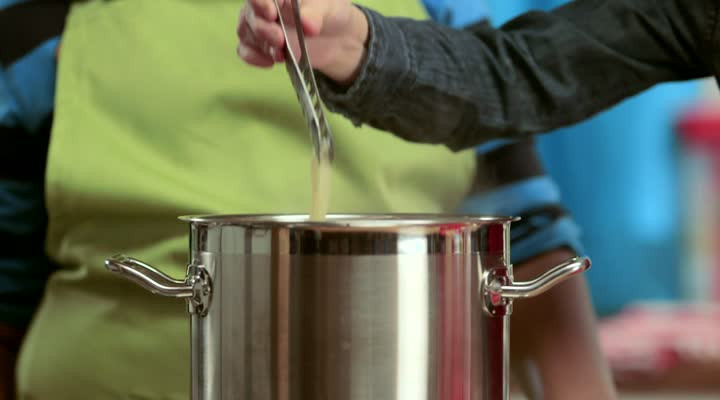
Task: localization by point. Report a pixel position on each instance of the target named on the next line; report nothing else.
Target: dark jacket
(541, 71)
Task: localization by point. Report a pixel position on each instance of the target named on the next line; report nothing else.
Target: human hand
(335, 31)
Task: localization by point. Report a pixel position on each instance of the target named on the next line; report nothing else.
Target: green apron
(155, 118)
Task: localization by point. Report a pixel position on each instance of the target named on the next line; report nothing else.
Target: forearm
(429, 83)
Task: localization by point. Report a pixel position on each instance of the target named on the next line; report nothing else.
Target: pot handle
(148, 277)
(196, 288)
(545, 282)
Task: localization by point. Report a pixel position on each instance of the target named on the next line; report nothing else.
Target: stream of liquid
(320, 176)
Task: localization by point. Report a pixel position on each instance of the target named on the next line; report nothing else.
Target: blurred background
(651, 223)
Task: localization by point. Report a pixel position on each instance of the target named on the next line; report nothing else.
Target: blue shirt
(457, 13)
(27, 89)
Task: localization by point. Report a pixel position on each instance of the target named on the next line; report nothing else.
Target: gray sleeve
(543, 70)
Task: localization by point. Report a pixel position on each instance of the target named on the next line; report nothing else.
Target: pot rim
(347, 220)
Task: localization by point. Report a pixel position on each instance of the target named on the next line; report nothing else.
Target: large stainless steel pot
(377, 307)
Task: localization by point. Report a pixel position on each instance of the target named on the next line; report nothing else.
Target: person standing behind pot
(121, 170)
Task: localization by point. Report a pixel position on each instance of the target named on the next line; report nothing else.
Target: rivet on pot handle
(499, 292)
(196, 288)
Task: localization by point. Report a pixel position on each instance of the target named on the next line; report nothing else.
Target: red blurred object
(699, 131)
(651, 340)
(700, 126)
